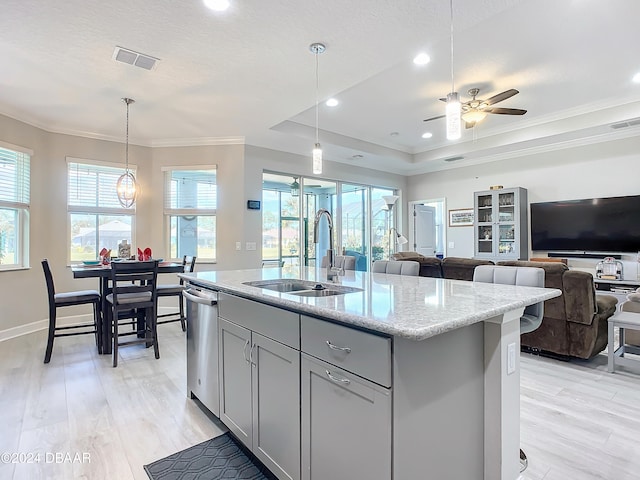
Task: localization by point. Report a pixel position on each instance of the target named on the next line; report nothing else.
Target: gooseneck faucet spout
(330, 254)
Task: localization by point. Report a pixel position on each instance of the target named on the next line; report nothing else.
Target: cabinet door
(346, 425)
(484, 224)
(235, 379)
(276, 406)
(506, 224)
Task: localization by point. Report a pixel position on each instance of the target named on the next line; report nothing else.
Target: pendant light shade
(454, 129)
(316, 158)
(127, 187)
(316, 153)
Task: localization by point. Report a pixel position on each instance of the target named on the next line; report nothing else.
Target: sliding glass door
(361, 221)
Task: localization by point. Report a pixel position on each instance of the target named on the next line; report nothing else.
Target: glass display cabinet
(500, 228)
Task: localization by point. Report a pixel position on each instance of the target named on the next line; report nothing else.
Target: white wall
(23, 292)
(601, 170)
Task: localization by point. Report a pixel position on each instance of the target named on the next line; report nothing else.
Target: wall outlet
(451, 245)
(511, 358)
(238, 245)
(250, 246)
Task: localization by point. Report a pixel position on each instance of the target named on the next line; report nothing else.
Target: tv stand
(617, 256)
(618, 288)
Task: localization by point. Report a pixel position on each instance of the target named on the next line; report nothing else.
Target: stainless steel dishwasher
(202, 346)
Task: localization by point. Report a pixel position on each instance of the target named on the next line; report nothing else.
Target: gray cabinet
(260, 383)
(346, 424)
(500, 230)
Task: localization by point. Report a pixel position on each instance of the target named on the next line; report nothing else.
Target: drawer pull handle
(343, 381)
(335, 347)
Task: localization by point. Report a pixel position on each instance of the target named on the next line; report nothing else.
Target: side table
(622, 320)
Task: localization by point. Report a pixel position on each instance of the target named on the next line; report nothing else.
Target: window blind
(93, 186)
(190, 191)
(14, 178)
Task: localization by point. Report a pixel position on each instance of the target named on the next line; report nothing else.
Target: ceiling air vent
(135, 58)
(453, 159)
(629, 123)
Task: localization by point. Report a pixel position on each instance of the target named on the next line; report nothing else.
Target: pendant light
(127, 188)
(316, 154)
(295, 187)
(454, 128)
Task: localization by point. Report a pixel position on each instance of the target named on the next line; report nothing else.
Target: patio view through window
(190, 203)
(96, 218)
(361, 221)
(14, 207)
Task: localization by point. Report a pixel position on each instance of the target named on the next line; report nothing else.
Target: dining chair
(405, 267)
(175, 290)
(134, 291)
(68, 299)
(532, 316)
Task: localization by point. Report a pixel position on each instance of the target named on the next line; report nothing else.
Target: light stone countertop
(411, 307)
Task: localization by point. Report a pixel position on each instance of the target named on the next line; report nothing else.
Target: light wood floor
(578, 421)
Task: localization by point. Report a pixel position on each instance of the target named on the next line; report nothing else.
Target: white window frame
(169, 212)
(97, 210)
(21, 204)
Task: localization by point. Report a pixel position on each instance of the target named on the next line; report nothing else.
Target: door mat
(216, 459)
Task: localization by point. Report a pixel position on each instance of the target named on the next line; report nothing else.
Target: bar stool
(68, 299)
(175, 290)
(134, 292)
(532, 315)
(407, 267)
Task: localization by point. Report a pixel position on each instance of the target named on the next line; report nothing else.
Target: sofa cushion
(429, 266)
(457, 268)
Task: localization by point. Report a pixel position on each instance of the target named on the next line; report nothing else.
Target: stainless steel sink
(282, 285)
(302, 288)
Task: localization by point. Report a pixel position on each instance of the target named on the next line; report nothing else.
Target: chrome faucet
(331, 273)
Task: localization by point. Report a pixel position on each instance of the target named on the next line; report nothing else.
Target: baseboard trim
(32, 327)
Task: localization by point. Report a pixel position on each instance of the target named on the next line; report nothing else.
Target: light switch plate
(238, 245)
(250, 246)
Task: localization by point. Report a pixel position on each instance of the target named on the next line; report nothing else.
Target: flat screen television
(588, 225)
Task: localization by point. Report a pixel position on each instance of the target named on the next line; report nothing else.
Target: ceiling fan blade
(505, 111)
(501, 96)
(434, 118)
(443, 99)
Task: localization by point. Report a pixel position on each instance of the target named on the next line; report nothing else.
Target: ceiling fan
(475, 110)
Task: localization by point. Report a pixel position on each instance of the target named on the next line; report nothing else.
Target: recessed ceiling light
(427, 135)
(332, 102)
(394, 134)
(422, 59)
(636, 77)
(217, 5)
(357, 156)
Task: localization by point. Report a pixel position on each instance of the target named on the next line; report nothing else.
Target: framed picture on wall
(461, 217)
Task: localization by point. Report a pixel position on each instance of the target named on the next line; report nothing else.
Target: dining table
(103, 272)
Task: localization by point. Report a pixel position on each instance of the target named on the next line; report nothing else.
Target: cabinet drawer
(362, 353)
(275, 323)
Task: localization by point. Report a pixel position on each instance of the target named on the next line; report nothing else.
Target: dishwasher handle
(202, 300)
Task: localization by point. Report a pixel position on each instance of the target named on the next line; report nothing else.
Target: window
(14, 207)
(96, 218)
(190, 203)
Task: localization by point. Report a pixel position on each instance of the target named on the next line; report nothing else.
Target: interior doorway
(427, 232)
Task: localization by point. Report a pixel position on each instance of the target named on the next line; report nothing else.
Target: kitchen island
(400, 378)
